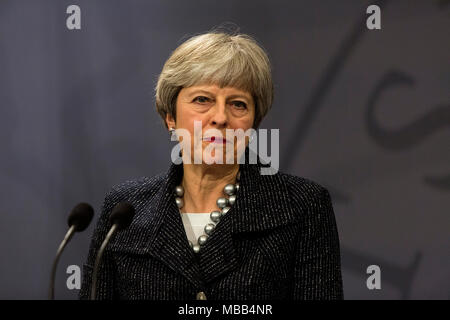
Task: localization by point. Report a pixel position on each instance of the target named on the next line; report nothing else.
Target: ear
(170, 121)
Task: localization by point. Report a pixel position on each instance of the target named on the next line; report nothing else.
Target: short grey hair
(234, 60)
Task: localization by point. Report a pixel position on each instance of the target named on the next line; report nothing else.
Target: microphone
(121, 218)
(79, 219)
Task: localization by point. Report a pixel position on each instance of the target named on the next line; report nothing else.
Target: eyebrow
(233, 96)
(199, 91)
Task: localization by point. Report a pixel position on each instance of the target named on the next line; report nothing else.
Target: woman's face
(217, 108)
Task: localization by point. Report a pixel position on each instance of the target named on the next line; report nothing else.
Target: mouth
(215, 139)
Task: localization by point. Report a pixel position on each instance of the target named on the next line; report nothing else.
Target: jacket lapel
(261, 203)
(170, 244)
(218, 255)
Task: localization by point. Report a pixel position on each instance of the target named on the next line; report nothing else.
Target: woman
(218, 229)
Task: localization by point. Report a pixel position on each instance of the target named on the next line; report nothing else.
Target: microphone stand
(68, 236)
(98, 259)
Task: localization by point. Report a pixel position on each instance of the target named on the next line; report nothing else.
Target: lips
(216, 139)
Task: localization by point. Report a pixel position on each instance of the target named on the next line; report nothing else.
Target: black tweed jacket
(278, 241)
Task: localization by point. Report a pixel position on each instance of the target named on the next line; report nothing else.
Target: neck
(203, 185)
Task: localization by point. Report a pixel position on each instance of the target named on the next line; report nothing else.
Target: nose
(220, 115)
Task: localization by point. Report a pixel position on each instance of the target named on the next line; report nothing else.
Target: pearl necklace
(224, 204)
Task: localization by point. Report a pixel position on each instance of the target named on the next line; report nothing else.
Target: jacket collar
(262, 203)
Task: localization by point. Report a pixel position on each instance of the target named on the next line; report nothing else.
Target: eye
(240, 104)
(201, 99)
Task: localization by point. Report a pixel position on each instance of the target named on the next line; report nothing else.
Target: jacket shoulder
(303, 192)
(134, 188)
(297, 183)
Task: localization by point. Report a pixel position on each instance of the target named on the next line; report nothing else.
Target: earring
(171, 133)
(251, 138)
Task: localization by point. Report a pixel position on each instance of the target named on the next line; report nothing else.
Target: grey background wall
(364, 112)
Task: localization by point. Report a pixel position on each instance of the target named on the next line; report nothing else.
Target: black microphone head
(80, 217)
(122, 215)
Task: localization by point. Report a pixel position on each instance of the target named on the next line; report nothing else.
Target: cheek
(185, 120)
(243, 123)
(249, 119)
